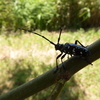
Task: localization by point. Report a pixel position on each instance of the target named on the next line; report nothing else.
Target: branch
(73, 65)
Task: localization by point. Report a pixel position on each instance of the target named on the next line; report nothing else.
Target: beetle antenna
(59, 35)
(39, 35)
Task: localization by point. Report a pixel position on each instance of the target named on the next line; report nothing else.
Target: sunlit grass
(25, 56)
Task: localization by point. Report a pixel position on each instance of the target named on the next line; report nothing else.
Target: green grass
(25, 56)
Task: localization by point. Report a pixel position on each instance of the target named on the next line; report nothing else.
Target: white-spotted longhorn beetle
(67, 48)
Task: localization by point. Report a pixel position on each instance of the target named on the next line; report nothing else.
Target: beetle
(67, 48)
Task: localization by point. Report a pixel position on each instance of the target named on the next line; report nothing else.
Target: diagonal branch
(73, 65)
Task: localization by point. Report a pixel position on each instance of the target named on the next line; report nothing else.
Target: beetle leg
(79, 43)
(57, 62)
(62, 61)
(88, 61)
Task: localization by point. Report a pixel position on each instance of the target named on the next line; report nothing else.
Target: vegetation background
(49, 15)
(24, 56)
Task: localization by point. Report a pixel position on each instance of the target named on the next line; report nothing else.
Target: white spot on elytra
(80, 52)
(68, 47)
(74, 50)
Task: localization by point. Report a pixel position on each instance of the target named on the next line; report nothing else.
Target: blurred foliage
(50, 15)
(6, 17)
